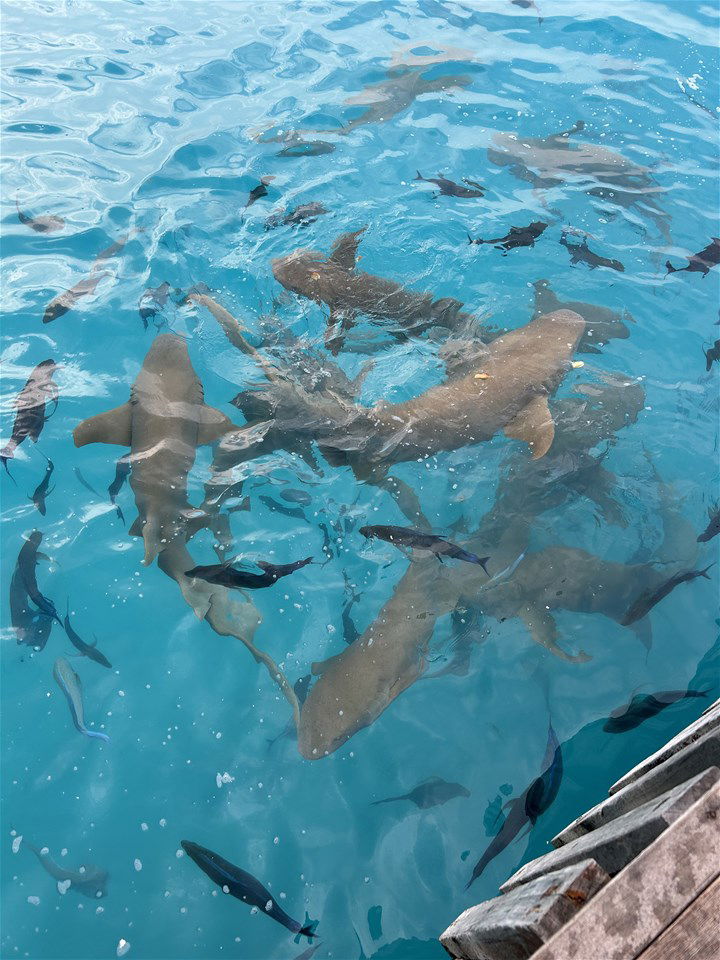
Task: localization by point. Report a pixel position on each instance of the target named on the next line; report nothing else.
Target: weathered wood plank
(617, 843)
(677, 769)
(513, 926)
(631, 911)
(695, 935)
(709, 720)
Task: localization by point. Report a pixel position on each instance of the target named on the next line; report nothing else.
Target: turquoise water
(154, 121)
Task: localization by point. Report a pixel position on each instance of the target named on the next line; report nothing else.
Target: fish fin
(543, 630)
(344, 250)
(534, 425)
(213, 424)
(113, 426)
(307, 929)
(643, 631)
(136, 528)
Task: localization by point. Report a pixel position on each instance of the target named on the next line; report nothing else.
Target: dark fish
(644, 706)
(306, 148)
(279, 508)
(296, 496)
(89, 880)
(86, 649)
(713, 528)
(327, 543)
(712, 355)
(647, 600)
(47, 224)
(407, 537)
(451, 189)
(301, 688)
(525, 809)
(26, 562)
(83, 481)
(225, 575)
(375, 922)
(43, 489)
(701, 262)
(122, 472)
(30, 405)
(259, 191)
(299, 216)
(245, 887)
(430, 793)
(581, 253)
(152, 301)
(65, 301)
(516, 237)
(350, 631)
(32, 628)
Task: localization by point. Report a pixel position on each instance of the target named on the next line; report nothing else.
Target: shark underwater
(163, 423)
(348, 292)
(601, 323)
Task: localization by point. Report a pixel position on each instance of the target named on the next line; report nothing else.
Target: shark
(163, 423)
(333, 280)
(601, 323)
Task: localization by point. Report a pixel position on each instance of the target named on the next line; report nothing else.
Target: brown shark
(334, 281)
(163, 423)
(601, 323)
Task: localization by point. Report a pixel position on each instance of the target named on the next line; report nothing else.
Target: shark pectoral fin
(213, 425)
(543, 630)
(535, 426)
(113, 426)
(344, 250)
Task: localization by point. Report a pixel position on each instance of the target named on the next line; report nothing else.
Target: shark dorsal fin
(344, 250)
(534, 425)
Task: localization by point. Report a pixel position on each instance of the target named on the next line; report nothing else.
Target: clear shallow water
(143, 117)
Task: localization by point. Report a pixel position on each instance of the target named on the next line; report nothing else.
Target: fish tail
(670, 268)
(96, 734)
(419, 176)
(472, 558)
(307, 929)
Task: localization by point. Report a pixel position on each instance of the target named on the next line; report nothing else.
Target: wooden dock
(637, 876)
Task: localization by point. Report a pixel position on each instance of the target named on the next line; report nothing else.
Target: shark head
(299, 271)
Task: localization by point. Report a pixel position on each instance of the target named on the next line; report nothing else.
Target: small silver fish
(69, 683)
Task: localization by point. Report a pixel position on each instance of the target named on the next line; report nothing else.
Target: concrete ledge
(677, 769)
(513, 926)
(614, 845)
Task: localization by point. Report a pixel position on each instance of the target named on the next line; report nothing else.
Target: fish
(430, 793)
(467, 631)
(712, 355)
(279, 508)
(225, 575)
(30, 404)
(45, 224)
(644, 706)
(601, 323)
(86, 649)
(69, 683)
(43, 489)
(516, 237)
(123, 468)
(527, 808)
(407, 537)
(306, 148)
(334, 281)
(152, 301)
(89, 880)
(449, 188)
(649, 598)
(581, 253)
(65, 301)
(374, 919)
(350, 632)
(713, 527)
(243, 886)
(27, 561)
(300, 216)
(32, 627)
(163, 423)
(701, 262)
(259, 191)
(296, 496)
(526, 5)
(84, 482)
